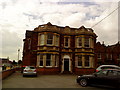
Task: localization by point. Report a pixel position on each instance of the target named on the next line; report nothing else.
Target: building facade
(107, 54)
(54, 49)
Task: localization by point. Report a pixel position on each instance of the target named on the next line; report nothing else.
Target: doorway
(66, 64)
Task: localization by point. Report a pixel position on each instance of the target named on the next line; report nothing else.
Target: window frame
(78, 42)
(42, 60)
(87, 42)
(50, 39)
(79, 59)
(42, 39)
(50, 60)
(68, 42)
(88, 61)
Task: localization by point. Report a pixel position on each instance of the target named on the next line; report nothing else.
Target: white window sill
(49, 44)
(87, 67)
(79, 66)
(79, 46)
(48, 66)
(40, 66)
(83, 67)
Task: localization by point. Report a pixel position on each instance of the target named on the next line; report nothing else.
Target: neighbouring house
(5, 63)
(107, 54)
(54, 49)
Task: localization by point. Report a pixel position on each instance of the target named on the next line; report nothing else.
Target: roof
(65, 30)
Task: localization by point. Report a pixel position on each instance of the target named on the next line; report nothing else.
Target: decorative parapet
(65, 30)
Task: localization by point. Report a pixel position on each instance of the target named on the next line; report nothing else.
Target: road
(16, 80)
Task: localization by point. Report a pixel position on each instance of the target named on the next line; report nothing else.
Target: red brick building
(55, 49)
(107, 54)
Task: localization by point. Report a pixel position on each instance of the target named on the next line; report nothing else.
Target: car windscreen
(32, 67)
(29, 67)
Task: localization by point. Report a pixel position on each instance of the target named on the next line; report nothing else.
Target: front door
(66, 64)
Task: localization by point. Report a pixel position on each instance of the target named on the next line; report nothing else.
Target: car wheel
(83, 82)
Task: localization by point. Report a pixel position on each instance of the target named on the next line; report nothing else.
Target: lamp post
(18, 53)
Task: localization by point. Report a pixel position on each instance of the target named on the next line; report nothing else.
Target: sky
(17, 16)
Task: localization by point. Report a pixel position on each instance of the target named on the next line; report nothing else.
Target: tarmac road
(16, 80)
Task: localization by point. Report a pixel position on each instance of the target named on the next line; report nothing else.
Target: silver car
(107, 67)
(29, 71)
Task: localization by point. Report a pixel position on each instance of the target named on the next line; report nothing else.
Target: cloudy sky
(17, 16)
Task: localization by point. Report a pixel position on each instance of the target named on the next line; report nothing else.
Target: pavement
(16, 80)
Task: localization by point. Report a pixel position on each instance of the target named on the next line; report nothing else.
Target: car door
(112, 78)
(100, 77)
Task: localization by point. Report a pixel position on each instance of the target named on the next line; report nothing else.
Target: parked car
(29, 71)
(105, 77)
(107, 67)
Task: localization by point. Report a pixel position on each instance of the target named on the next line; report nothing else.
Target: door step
(66, 72)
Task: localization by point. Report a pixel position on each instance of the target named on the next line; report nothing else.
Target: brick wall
(7, 73)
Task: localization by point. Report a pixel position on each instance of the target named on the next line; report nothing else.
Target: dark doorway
(66, 64)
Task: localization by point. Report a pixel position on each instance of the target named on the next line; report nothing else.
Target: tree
(19, 62)
(14, 63)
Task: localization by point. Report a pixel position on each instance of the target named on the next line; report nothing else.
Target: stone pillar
(91, 43)
(38, 60)
(83, 61)
(44, 60)
(38, 39)
(53, 60)
(83, 41)
(54, 40)
(91, 62)
(76, 61)
(45, 42)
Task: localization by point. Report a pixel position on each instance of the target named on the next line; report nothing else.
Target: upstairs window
(49, 38)
(42, 39)
(110, 56)
(66, 42)
(99, 56)
(29, 43)
(118, 57)
(87, 40)
(79, 42)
